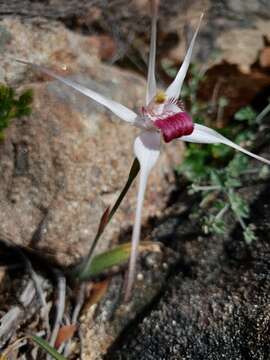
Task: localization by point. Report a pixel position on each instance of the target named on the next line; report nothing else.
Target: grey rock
(233, 31)
(65, 163)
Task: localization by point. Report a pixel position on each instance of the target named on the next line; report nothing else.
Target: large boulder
(235, 31)
(62, 165)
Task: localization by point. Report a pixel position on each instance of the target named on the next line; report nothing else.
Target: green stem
(81, 270)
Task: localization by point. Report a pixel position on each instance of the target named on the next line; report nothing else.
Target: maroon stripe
(175, 126)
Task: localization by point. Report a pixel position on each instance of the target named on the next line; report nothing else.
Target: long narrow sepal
(151, 78)
(204, 135)
(120, 110)
(173, 91)
(147, 150)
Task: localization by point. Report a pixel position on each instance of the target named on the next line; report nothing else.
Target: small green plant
(43, 344)
(220, 194)
(216, 171)
(13, 106)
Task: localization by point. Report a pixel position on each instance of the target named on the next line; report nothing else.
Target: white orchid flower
(163, 116)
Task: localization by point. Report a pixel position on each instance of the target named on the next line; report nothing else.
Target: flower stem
(81, 270)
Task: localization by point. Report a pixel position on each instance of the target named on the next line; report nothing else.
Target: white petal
(120, 110)
(151, 79)
(204, 135)
(174, 89)
(147, 150)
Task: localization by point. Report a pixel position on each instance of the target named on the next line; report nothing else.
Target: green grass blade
(117, 256)
(47, 347)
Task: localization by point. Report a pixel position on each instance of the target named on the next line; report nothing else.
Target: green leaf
(221, 151)
(216, 178)
(195, 164)
(232, 183)
(218, 227)
(211, 224)
(239, 205)
(244, 136)
(11, 107)
(47, 347)
(117, 256)
(249, 234)
(26, 98)
(246, 114)
(237, 165)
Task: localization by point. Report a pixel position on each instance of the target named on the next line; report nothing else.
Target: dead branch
(17, 313)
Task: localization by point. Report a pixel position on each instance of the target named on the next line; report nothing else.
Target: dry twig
(60, 306)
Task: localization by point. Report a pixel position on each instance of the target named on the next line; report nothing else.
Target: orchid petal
(173, 91)
(151, 79)
(120, 110)
(204, 135)
(147, 150)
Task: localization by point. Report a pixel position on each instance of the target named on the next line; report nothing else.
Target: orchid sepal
(173, 91)
(147, 151)
(151, 77)
(205, 135)
(118, 109)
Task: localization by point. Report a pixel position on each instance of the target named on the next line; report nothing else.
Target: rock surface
(70, 158)
(235, 31)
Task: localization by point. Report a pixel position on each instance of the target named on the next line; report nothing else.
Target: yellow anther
(160, 97)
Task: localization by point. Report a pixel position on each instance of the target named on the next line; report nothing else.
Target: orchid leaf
(117, 256)
(47, 347)
(82, 270)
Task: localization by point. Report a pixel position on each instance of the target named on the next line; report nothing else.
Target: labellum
(175, 126)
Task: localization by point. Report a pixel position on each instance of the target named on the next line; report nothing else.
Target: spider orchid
(163, 116)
